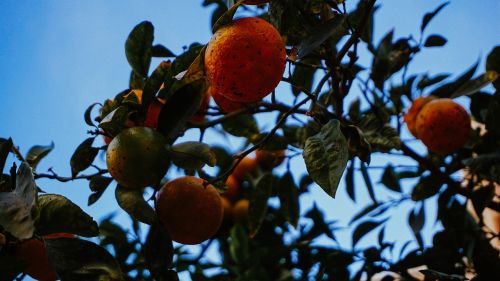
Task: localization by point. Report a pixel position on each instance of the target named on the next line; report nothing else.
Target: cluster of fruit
(440, 123)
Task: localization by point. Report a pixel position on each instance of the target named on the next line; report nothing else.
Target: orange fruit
(34, 253)
(240, 212)
(153, 113)
(233, 192)
(255, 2)
(443, 126)
(59, 235)
(225, 104)
(137, 157)
(199, 116)
(269, 159)
(245, 60)
(190, 210)
(245, 168)
(410, 117)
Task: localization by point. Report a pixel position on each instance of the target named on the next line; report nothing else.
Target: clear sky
(58, 57)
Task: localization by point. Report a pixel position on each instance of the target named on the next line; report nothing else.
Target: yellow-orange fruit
(245, 60)
(227, 105)
(199, 116)
(410, 117)
(245, 168)
(269, 159)
(255, 2)
(33, 252)
(240, 212)
(153, 113)
(233, 192)
(190, 210)
(443, 126)
(137, 157)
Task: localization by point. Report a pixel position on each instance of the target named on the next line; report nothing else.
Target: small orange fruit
(240, 212)
(245, 60)
(233, 192)
(225, 104)
(34, 253)
(190, 210)
(443, 126)
(269, 159)
(410, 117)
(245, 168)
(137, 157)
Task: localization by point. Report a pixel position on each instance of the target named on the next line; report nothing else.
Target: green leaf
(381, 136)
(136, 81)
(161, 51)
(349, 181)
(83, 156)
(37, 153)
(416, 220)
(87, 116)
(435, 40)
(390, 179)
(227, 17)
(429, 16)
(288, 193)
(5, 147)
(192, 155)
(98, 185)
(320, 35)
(59, 214)
(448, 89)
(243, 125)
(80, 260)
(258, 202)
(326, 155)
(239, 247)
(363, 229)
(138, 47)
(368, 182)
(427, 81)
(153, 83)
(132, 202)
(427, 187)
(303, 75)
(158, 252)
(114, 122)
(358, 144)
(476, 84)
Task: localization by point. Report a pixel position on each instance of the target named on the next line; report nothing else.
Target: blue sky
(58, 57)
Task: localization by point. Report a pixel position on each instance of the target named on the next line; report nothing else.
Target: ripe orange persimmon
(226, 105)
(240, 212)
(190, 210)
(443, 126)
(410, 117)
(245, 168)
(269, 159)
(137, 157)
(233, 192)
(33, 252)
(245, 60)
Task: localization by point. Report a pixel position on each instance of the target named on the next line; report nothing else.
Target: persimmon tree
(336, 114)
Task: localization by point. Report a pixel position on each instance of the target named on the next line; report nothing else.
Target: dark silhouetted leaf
(368, 182)
(192, 155)
(416, 220)
(435, 40)
(153, 83)
(88, 115)
(239, 247)
(227, 17)
(320, 35)
(479, 103)
(448, 89)
(381, 136)
(326, 155)
(429, 16)
(37, 153)
(303, 75)
(138, 47)
(390, 179)
(476, 84)
(79, 260)
(358, 144)
(289, 199)
(349, 181)
(363, 229)
(427, 187)
(5, 147)
(132, 202)
(159, 252)
(98, 185)
(258, 202)
(161, 51)
(493, 64)
(83, 156)
(429, 81)
(59, 214)
(243, 125)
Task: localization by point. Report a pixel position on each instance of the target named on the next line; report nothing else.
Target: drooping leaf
(58, 214)
(493, 64)
(81, 260)
(303, 75)
(429, 16)
(363, 229)
(192, 155)
(390, 179)
(435, 40)
(258, 202)
(158, 252)
(83, 156)
(98, 185)
(15, 206)
(132, 202)
(138, 47)
(154, 82)
(326, 155)
(320, 35)
(476, 84)
(227, 17)
(368, 181)
(288, 193)
(37, 153)
(161, 51)
(416, 220)
(349, 181)
(427, 187)
(358, 144)
(447, 90)
(88, 114)
(365, 211)
(243, 125)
